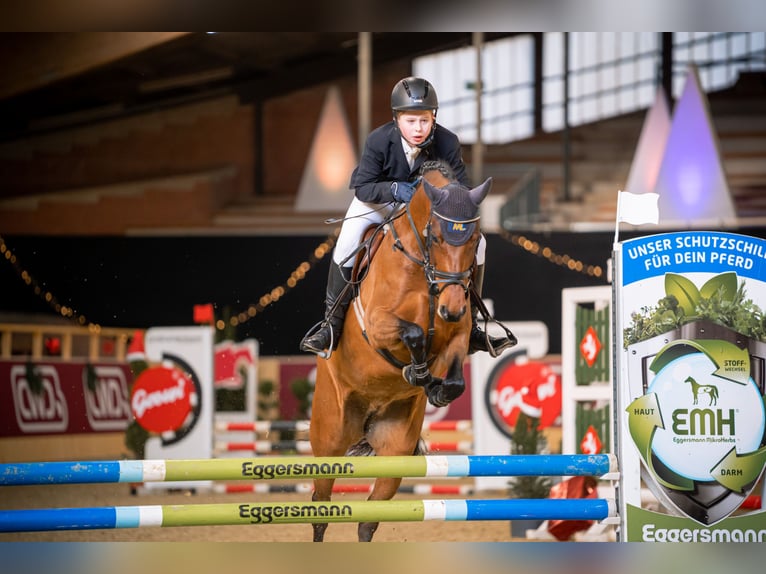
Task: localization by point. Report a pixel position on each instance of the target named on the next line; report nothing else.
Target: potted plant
(527, 439)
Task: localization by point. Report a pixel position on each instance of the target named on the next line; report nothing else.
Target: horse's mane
(438, 165)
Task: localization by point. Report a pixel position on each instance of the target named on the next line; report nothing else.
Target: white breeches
(360, 216)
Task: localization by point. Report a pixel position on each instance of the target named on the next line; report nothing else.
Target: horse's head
(451, 234)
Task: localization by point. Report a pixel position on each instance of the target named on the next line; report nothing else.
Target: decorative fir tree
(526, 440)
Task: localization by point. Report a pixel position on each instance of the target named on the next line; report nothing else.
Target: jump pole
(249, 513)
(14, 474)
(308, 488)
(269, 426)
(304, 446)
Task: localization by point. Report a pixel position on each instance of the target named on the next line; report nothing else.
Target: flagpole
(617, 219)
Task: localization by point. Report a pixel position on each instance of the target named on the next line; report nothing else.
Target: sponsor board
(164, 398)
(691, 382)
(180, 386)
(236, 380)
(50, 398)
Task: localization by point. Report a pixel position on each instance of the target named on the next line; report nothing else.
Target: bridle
(436, 279)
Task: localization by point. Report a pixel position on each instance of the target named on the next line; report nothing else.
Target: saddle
(371, 240)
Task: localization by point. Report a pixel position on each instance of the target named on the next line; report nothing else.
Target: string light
(65, 311)
(298, 274)
(265, 300)
(566, 261)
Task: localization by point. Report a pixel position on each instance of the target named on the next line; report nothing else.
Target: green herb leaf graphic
(727, 282)
(684, 291)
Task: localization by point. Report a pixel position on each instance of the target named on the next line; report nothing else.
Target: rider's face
(415, 125)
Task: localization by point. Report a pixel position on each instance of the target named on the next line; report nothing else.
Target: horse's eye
(434, 237)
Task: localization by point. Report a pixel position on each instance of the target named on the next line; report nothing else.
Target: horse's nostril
(451, 316)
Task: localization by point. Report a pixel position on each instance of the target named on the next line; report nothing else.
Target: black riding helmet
(415, 94)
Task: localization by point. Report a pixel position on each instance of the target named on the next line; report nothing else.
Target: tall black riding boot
(479, 340)
(339, 294)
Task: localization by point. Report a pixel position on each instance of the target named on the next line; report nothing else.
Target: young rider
(385, 177)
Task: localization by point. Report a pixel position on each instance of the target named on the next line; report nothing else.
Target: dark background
(141, 282)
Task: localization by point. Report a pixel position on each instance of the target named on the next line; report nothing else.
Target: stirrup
(325, 354)
(492, 345)
(496, 345)
(506, 342)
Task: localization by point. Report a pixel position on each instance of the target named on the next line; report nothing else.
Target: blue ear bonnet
(457, 214)
(456, 232)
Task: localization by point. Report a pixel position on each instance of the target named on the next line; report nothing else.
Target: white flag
(638, 208)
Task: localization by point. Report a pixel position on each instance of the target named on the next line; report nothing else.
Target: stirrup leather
(495, 345)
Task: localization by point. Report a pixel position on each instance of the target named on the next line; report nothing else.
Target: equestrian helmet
(414, 94)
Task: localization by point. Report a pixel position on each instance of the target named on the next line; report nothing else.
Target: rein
(436, 279)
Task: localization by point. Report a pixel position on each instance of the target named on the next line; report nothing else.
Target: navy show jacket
(383, 161)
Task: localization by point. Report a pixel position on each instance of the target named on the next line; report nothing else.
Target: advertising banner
(691, 356)
(173, 397)
(53, 398)
(235, 368)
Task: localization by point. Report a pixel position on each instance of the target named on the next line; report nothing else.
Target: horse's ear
(477, 194)
(434, 193)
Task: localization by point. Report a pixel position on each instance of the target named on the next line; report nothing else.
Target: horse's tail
(361, 448)
(364, 448)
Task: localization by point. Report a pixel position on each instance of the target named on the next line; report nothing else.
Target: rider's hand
(402, 191)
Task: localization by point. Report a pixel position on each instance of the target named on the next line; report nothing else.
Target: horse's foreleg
(386, 331)
(384, 489)
(416, 373)
(322, 493)
(442, 392)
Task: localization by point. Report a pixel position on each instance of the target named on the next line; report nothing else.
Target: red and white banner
(64, 403)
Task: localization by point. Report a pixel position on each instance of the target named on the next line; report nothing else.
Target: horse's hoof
(435, 401)
(442, 394)
(435, 394)
(366, 530)
(319, 530)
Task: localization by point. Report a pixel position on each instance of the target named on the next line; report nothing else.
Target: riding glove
(402, 191)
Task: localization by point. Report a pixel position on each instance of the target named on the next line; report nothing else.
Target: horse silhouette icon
(710, 390)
